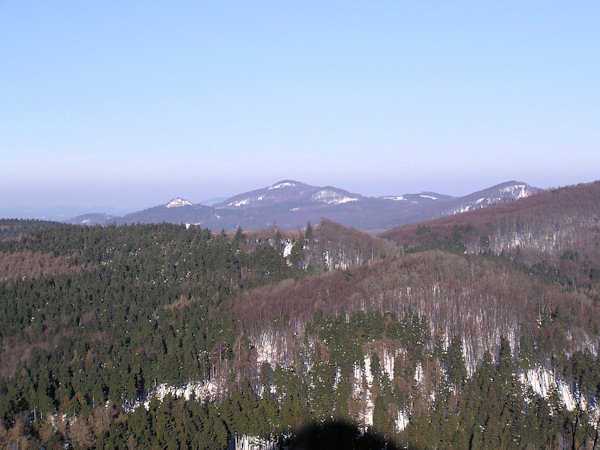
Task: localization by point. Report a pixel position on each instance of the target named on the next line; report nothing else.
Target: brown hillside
(35, 264)
(473, 297)
(559, 226)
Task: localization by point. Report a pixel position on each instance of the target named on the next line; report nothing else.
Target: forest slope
(559, 227)
(472, 297)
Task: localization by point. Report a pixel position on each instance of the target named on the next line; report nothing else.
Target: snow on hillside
(261, 207)
(178, 203)
(239, 203)
(332, 197)
(282, 185)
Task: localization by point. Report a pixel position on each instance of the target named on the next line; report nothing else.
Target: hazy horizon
(64, 211)
(125, 106)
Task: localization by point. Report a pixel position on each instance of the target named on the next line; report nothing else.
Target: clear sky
(125, 104)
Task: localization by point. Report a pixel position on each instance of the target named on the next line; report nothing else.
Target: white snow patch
(200, 390)
(361, 391)
(516, 191)
(368, 373)
(282, 185)
(246, 442)
(345, 200)
(396, 198)
(357, 372)
(370, 404)
(427, 196)
(567, 396)
(287, 249)
(462, 210)
(419, 372)
(401, 421)
(338, 377)
(543, 382)
(239, 203)
(331, 197)
(267, 349)
(388, 363)
(178, 203)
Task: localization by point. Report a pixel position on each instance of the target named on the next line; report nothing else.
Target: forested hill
(556, 231)
(13, 228)
(90, 315)
(170, 336)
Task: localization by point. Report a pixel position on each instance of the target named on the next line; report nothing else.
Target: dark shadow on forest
(337, 435)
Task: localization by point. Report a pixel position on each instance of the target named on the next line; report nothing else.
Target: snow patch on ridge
(178, 203)
(517, 191)
(346, 200)
(282, 185)
(239, 203)
(331, 197)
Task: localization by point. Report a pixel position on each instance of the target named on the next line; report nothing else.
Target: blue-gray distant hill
(291, 204)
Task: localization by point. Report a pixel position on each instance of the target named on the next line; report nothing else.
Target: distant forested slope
(13, 228)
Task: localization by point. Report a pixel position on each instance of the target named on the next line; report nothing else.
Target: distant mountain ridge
(290, 204)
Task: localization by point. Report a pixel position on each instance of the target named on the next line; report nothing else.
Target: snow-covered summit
(333, 197)
(517, 191)
(178, 203)
(511, 190)
(283, 184)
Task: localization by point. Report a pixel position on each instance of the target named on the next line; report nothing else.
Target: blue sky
(124, 105)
